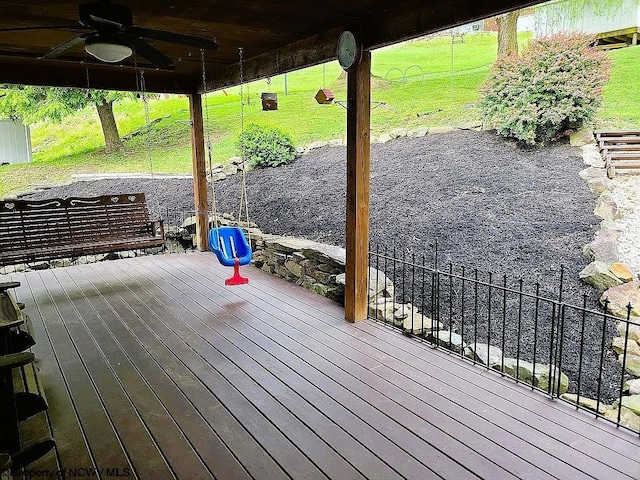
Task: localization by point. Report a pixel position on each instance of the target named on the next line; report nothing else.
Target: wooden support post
(199, 171)
(357, 224)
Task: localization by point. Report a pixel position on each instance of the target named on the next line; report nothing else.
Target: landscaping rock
(583, 136)
(398, 133)
(39, 266)
(633, 329)
(606, 207)
(602, 249)
(621, 271)
(384, 138)
(293, 267)
(600, 185)
(484, 353)
(591, 172)
(319, 288)
(404, 311)
(588, 403)
(418, 132)
(64, 262)
(618, 345)
(633, 387)
(591, 156)
(598, 274)
(519, 369)
(451, 341)
(548, 374)
(324, 253)
(609, 228)
(319, 144)
(438, 130)
(288, 244)
(218, 176)
(230, 169)
(379, 284)
(596, 179)
(621, 296)
(627, 418)
(419, 324)
(632, 364)
(632, 403)
(382, 309)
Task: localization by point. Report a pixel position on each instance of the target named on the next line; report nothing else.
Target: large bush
(266, 146)
(554, 86)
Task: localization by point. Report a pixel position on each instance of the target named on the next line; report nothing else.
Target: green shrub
(266, 146)
(556, 85)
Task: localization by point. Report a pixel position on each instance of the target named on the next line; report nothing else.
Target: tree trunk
(109, 127)
(508, 33)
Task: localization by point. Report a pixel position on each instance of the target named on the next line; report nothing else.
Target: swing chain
(145, 101)
(243, 186)
(214, 206)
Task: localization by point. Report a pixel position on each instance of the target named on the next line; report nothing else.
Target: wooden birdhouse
(269, 101)
(324, 96)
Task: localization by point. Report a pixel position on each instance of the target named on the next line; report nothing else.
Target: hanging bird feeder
(269, 101)
(324, 96)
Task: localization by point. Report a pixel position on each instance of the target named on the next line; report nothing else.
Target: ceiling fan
(110, 36)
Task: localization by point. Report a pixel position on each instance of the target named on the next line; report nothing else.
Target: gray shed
(15, 142)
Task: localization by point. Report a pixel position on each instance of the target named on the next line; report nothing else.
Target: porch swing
(229, 244)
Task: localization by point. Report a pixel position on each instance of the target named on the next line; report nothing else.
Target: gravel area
(490, 204)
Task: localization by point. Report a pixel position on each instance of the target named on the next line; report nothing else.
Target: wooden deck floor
(153, 367)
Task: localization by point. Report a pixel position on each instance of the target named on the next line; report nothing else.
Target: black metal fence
(536, 336)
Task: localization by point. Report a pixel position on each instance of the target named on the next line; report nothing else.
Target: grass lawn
(422, 83)
(621, 104)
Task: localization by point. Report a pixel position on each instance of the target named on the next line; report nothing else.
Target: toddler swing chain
(214, 207)
(243, 183)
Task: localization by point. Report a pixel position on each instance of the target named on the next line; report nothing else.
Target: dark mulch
(490, 204)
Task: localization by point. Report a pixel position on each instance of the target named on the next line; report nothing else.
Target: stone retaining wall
(314, 266)
(615, 279)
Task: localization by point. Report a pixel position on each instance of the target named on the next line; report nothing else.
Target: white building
(15, 142)
(616, 22)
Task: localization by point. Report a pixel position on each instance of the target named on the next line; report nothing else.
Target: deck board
(152, 364)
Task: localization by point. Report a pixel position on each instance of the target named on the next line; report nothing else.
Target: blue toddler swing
(229, 244)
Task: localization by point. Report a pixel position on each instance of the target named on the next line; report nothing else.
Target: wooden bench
(25, 433)
(43, 230)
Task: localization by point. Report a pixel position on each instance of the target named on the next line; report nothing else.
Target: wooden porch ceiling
(277, 36)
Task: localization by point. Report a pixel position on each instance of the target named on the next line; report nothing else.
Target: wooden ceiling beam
(73, 74)
(304, 53)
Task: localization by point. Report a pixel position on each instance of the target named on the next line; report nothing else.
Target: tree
(34, 104)
(508, 33)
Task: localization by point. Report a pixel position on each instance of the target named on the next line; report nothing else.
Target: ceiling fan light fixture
(111, 50)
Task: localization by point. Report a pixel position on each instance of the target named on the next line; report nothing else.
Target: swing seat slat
(229, 244)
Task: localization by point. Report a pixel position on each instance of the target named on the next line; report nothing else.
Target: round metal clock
(349, 50)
